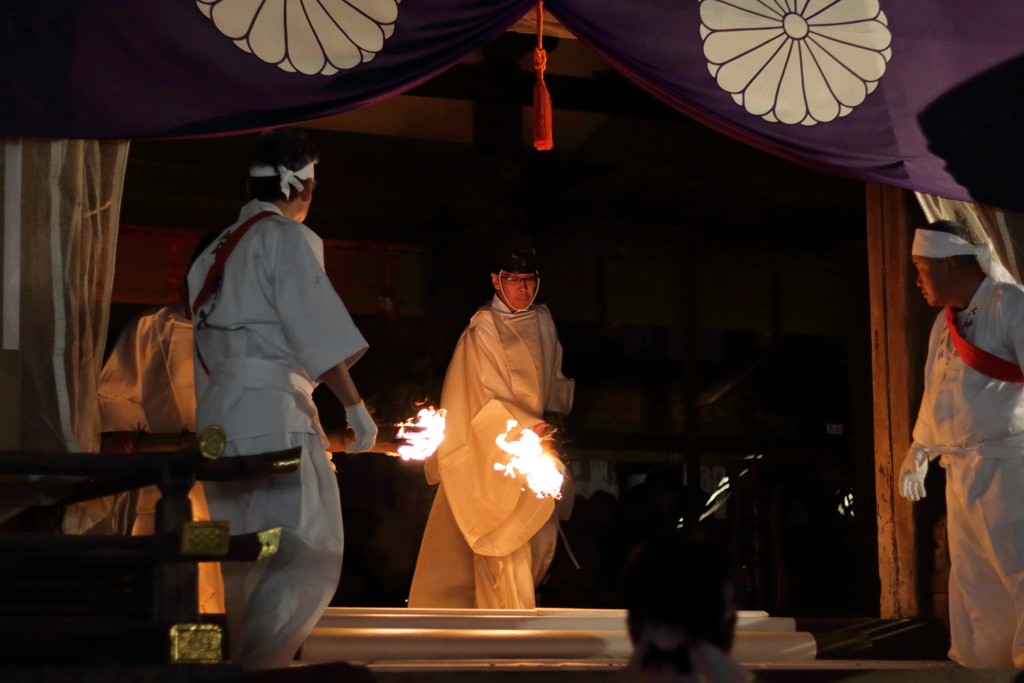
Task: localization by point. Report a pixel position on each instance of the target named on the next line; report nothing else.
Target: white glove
(912, 474)
(364, 427)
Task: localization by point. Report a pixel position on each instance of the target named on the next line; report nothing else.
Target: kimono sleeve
(1012, 318)
(315, 320)
(924, 428)
(120, 385)
(562, 389)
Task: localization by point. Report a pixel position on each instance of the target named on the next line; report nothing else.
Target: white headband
(935, 244)
(289, 178)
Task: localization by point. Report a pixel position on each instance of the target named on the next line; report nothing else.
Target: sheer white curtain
(59, 205)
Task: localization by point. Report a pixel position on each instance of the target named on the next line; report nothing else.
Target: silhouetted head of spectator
(636, 504)
(679, 594)
(666, 490)
(604, 507)
(580, 516)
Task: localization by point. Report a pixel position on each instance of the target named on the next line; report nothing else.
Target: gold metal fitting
(271, 540)
(205, 538)
(197, 644)
(212, 442)
(285, 466)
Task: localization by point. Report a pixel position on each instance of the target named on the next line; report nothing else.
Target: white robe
(272, 327)
(147, 383)
(487, 540)
(981, 420)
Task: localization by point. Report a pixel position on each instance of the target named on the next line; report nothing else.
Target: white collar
(983, 290)
(499, 306)
(256, 206)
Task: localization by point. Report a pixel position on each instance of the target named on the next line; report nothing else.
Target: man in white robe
(972, 416)
(268, 324)
(488, 540)
(148, 384)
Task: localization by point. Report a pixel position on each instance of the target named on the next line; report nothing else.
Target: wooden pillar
(691, 413)
(11, 201)
(861, 420)
(897, 353)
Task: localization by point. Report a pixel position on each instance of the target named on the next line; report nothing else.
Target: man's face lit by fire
(935, 278)
(517, 290)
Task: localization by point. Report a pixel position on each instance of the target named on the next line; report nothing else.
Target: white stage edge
(383, 635)
(596, 665)
(536, 619)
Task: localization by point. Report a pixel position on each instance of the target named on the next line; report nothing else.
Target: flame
(424, 435)
(530, 460)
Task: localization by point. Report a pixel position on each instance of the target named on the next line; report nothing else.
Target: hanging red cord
(542, 135)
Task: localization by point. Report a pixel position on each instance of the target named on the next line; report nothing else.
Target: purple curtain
(164, 68)
(927, 96)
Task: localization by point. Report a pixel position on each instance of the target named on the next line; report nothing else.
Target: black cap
(519, 255)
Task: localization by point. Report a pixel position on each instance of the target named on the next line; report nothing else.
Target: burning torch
(415, 439)
(542, 469)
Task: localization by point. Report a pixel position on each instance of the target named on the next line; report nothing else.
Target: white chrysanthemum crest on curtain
(306, 36)
(796, 61)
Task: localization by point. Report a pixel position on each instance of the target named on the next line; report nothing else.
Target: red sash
(979, 359)
(217, 269)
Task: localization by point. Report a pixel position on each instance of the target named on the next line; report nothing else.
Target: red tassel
(542, 134)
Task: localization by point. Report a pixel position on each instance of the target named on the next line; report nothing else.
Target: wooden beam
(552, 26)
(611, 93)
(891, 281)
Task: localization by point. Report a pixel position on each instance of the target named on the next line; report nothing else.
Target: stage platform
(821, 671)
(375, 636)
(395, 642)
